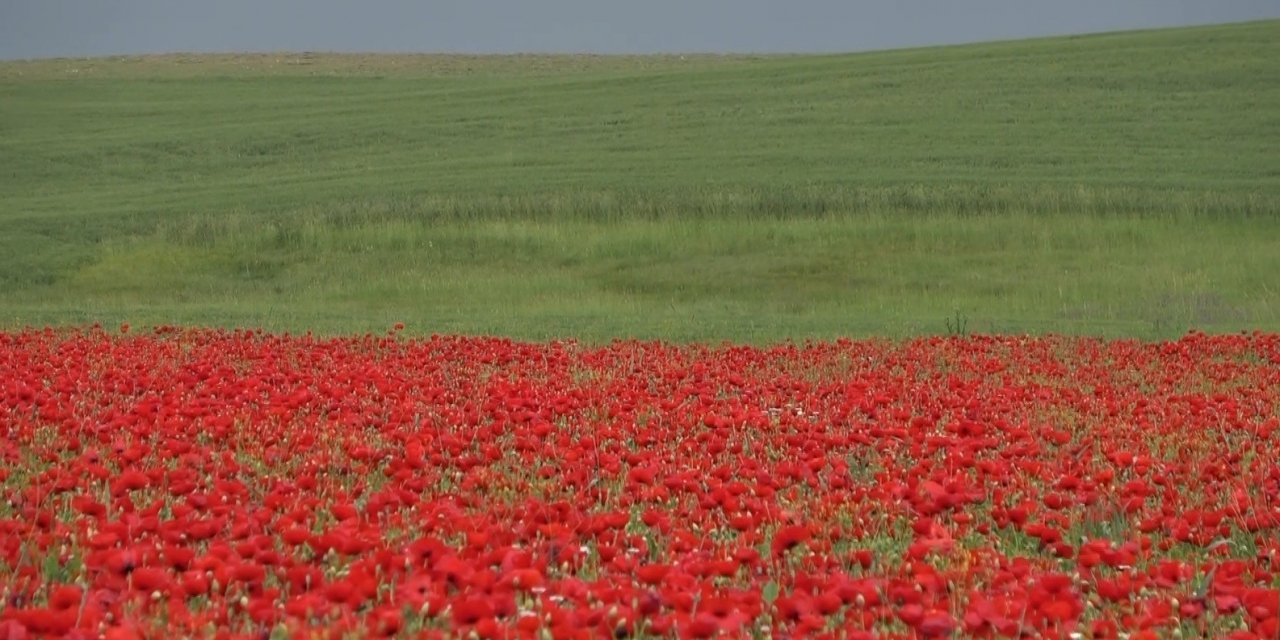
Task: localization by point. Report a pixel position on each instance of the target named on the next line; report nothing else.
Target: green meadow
(1120, 184)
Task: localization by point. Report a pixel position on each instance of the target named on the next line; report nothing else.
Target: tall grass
(705, 278)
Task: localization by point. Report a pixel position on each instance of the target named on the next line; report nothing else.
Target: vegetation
(1121, 184)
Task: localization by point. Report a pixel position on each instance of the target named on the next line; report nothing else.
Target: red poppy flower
(13, 630)
(652, 574)
(195, 583)
(122, 563)
(150, 579)
(385, 623)
(788, 538)
(524, 580)
(1261, 604)
(46, 621)
(936, 624)
(65, 597)
(417, 592)
(471, 610)
(126, 631)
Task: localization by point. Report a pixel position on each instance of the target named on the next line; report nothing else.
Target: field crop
(180, 482)
(1122, 185)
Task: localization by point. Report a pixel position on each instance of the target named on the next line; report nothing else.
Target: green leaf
(770, 592)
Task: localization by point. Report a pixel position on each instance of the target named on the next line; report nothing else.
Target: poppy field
(240, 484)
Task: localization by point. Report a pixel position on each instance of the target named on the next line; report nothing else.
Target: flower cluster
(237, 484)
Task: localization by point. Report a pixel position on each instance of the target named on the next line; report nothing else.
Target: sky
(72, 28)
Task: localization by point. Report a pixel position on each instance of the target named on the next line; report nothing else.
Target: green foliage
(1117, 184)
(957, 324)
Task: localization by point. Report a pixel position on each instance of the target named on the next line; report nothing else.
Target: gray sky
(53, 28)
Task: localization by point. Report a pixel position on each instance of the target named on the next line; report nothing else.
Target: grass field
(1121, 184)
